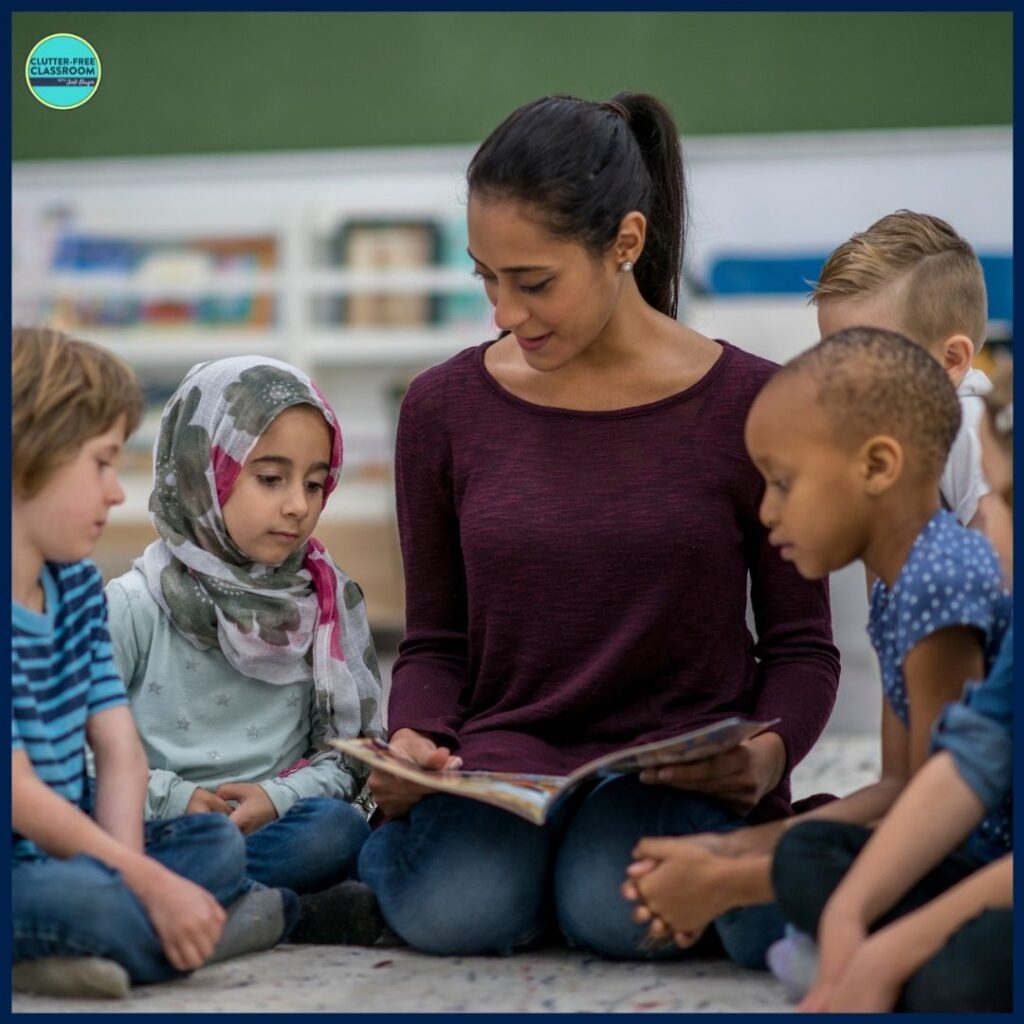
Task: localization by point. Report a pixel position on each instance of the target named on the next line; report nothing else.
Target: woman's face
(553, 294)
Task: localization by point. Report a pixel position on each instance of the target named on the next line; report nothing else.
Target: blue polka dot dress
(951, 578)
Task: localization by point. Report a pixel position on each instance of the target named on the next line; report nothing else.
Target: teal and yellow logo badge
(63, 71)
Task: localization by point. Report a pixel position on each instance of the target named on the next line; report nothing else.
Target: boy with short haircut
(852, 476)
(98, 899)
(912, 273)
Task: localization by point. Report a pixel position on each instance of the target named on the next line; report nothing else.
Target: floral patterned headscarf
(278, 623)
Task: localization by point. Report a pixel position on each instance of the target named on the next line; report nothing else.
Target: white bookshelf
(752, 193)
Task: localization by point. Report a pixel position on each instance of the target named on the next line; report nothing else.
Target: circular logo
(62, 71)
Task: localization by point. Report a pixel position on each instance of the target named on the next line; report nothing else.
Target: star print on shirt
(191, 664)
(253, 732)
(293, 701)
(184, 724)
(223, 700)
(156, 688)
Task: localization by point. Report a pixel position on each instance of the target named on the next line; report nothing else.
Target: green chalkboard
(233, 82)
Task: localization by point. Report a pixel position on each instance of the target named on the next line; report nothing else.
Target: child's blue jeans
(314, 845)
(82, 907)
(459, 877)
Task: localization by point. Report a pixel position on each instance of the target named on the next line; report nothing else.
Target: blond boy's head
(912, 273)
(63, 393)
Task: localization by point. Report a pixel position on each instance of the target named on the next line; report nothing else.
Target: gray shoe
(257, 921)
(90, 977)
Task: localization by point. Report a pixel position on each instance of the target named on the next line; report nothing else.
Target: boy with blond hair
(98, 899)
(912, 273)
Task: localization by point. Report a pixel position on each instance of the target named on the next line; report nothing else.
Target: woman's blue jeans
(82, 907)
(458, 877)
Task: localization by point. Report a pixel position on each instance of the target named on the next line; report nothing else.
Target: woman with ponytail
(579, 521)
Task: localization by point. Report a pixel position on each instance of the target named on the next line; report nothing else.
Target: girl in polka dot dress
(940, 917)
(851, 438)
(243, 647)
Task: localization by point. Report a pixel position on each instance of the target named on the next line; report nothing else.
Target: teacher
(578, 520)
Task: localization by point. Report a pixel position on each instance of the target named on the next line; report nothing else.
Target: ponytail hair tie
(616, 108)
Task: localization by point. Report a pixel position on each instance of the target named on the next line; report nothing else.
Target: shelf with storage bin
(146, 232)
(762, 196)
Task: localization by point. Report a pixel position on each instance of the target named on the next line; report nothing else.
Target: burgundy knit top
(576, 582)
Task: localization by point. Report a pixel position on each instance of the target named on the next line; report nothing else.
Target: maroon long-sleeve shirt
(576, 582)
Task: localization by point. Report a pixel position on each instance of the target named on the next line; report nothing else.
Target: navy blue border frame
(648, 6)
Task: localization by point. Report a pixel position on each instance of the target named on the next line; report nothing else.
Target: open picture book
(533, 797)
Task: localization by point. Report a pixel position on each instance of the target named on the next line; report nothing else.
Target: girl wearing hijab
(243, 647)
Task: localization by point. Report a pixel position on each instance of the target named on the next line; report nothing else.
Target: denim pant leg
(597, 848)
(813, 857)
(82, 907)
(458, 877)
(972, 973)
(314, 845)
(204, 848)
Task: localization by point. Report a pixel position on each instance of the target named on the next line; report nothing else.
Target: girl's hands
(739, 778)
(395, 796)
(254, 808)
(203, 801)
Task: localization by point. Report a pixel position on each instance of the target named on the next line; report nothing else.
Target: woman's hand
(395, 796)
(739, 778)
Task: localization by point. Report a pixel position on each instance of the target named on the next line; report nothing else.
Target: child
(97, 900)
(853, 476)
(243, 647)
(912, 273)
(941, 920)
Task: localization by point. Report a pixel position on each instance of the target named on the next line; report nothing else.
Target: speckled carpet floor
(311, 979)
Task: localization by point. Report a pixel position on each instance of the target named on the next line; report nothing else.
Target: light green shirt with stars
(202, 722)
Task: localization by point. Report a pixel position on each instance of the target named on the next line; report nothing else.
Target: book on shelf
(150, 266)
(534, 797)
(385, 245)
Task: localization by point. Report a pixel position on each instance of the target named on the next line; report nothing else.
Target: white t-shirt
(963, 483)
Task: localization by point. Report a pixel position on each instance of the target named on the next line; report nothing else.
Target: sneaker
(88, 977)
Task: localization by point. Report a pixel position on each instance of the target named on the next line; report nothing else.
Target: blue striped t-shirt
(62, 671)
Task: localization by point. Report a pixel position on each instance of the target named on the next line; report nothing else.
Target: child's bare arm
(121, 775)
(186, 917)
(869, 804)
(934, 673)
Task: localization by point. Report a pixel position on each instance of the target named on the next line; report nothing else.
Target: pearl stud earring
(626, 266)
